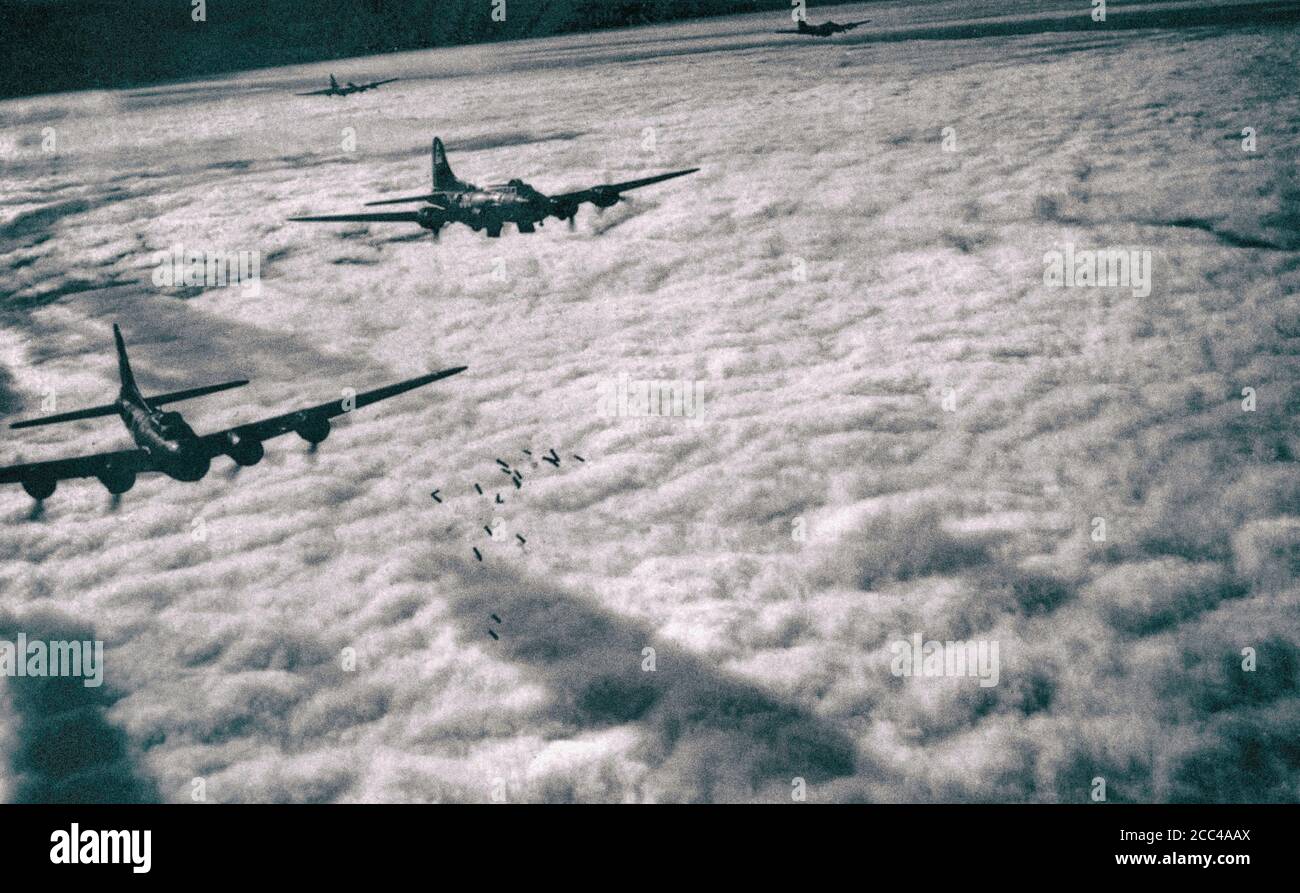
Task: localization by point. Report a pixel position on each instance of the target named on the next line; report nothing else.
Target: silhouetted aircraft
(825, 29)
(491, 208)
(347, 89)
(166, 444)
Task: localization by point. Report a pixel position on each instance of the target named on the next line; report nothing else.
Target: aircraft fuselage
(490, 209)
(166, 437)
(493, 207)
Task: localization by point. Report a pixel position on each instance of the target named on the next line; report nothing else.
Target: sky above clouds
(903, 429)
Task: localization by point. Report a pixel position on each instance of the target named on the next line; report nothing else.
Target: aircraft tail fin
(128, 389)
(124, 373)
(333, 83)
(129, 386)
(443, 178)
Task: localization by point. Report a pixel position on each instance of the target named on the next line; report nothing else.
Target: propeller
(608, 198)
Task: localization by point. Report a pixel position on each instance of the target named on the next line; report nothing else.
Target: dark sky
(54, 45)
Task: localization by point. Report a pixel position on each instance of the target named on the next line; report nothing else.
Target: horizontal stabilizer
(176, 396)
(94, 412)
(108, 409)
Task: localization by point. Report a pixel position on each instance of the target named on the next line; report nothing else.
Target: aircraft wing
(316, 93)
(266, 429)
(387, 217)
(848, 26)
(431, 198)
(614, 189)
(375, 84)
(135, 460)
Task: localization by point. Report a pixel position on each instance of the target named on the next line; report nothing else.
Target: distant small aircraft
(455, 201)
(825, 29)
(347, 89)
(166, 444)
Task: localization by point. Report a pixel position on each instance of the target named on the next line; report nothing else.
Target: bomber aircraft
(490, 208)
(825, 29)
(165, 443)
(347, 89)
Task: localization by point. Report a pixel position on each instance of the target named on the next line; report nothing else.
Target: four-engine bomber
(490, 208)
(165, 442)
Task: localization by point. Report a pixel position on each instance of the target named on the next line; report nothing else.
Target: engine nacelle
(314, 430)
(117, 480)
(604, 198)
(429, 220)
(245, 451)
(40, 487)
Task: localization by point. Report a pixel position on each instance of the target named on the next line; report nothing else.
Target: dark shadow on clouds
(67, 750)
(708, 735)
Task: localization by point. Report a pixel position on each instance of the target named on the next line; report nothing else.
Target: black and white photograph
(413, 407)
